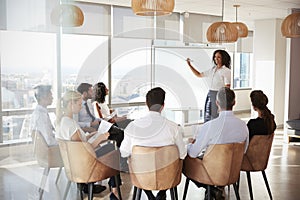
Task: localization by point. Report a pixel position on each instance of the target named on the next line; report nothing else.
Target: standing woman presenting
(218, 77)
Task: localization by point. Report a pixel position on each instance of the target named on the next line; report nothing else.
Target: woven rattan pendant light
(222, 32)
(152, 7)
(241, 27)
(67, 15)
(290, 26)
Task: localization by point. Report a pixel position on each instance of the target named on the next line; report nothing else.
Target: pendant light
(67, 15)
(222, 32)
(290, 26)
(241, 27)
(152, 7)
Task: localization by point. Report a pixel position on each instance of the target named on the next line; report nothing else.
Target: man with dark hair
(155, 99)
(226, 128)
(40, 120)
(86, 117)
(153, 130)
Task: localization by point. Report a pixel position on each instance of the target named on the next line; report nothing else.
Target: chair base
(44, 180)
(208, 190)
(250, 185)
(137, 193)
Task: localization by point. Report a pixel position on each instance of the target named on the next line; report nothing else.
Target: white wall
(280, 74)
(242, 98)
(269, 67)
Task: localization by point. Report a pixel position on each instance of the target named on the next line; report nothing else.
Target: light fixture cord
(236, 14)
(223, 10)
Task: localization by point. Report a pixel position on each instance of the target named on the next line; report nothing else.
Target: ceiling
(248, 12)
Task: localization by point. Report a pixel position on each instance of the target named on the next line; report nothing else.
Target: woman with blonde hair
(264, 124)
(68, 128)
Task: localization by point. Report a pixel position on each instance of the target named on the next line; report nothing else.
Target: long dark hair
(226, 60)
(99, 92)
(260, 100)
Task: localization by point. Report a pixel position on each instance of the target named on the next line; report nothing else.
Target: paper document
(103, 128)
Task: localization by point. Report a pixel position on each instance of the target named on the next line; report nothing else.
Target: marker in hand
(189, 60)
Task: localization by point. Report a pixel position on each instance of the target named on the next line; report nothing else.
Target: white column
(269, 64)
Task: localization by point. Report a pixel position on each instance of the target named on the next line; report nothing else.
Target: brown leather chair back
(258, 152)
(47, 156)
(82, 165)
(155, 168)
(220, 165)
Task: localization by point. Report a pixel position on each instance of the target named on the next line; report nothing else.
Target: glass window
(27, 59)
(241, 75)
(131, 70)
(84, 58)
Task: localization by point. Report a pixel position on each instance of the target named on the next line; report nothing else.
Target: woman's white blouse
(68, 128)
(218, 78)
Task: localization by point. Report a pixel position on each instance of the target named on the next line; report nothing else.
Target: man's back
(152, 130)
(225, 129)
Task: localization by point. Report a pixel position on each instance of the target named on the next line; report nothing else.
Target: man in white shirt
(224, 129)
(40, 120)
(153, 130)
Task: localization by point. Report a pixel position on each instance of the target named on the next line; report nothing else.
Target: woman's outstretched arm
(196, 72)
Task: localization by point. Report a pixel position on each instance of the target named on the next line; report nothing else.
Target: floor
(20, 177)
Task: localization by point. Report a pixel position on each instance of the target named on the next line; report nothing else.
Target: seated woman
(101, 108)
(68, 128)
(264, 124)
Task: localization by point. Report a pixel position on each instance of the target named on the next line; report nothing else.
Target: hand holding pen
(189, 60)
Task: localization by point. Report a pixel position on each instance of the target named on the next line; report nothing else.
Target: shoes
(96, 188)
(112, 196)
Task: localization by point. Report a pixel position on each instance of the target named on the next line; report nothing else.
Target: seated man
(40, 120)
(86, 117)
(153, 130)
(224, 129)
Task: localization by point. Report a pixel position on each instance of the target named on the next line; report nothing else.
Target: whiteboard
(201, 56)
(171, 71)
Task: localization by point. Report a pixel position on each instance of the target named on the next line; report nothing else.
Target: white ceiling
(249, 10)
